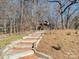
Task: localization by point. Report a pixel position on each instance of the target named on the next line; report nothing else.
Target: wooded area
(21, 15)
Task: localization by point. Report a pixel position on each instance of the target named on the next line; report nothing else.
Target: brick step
(18, 54)
(23, 40)
(21, 49)
(32, 37)
(29, 40)
(23, 46)
(30, 57)
(18, 50)
(35, 35)
(24, 43)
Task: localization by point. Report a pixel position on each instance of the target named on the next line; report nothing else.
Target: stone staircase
(22, 47)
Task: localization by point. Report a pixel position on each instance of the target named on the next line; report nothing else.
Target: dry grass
(60, 44)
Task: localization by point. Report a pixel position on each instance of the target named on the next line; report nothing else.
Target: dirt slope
(60, 44)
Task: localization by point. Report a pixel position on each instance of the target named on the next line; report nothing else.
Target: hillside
(60, 44)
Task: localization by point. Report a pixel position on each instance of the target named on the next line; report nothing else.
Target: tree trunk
(10, 26)
(22, 10)
(14, 26)
(5, 28)
(62, 21)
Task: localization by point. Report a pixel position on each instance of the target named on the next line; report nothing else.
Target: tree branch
(73, 2)
(73, 12)
(56, 2)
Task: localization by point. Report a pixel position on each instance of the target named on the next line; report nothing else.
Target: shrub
(69, 33)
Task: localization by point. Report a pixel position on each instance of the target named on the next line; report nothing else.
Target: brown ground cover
(60, 44)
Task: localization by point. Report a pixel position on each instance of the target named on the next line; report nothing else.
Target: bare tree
(63, 10)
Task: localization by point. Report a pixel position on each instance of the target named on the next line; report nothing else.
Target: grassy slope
(68, 40)
(7, 40)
